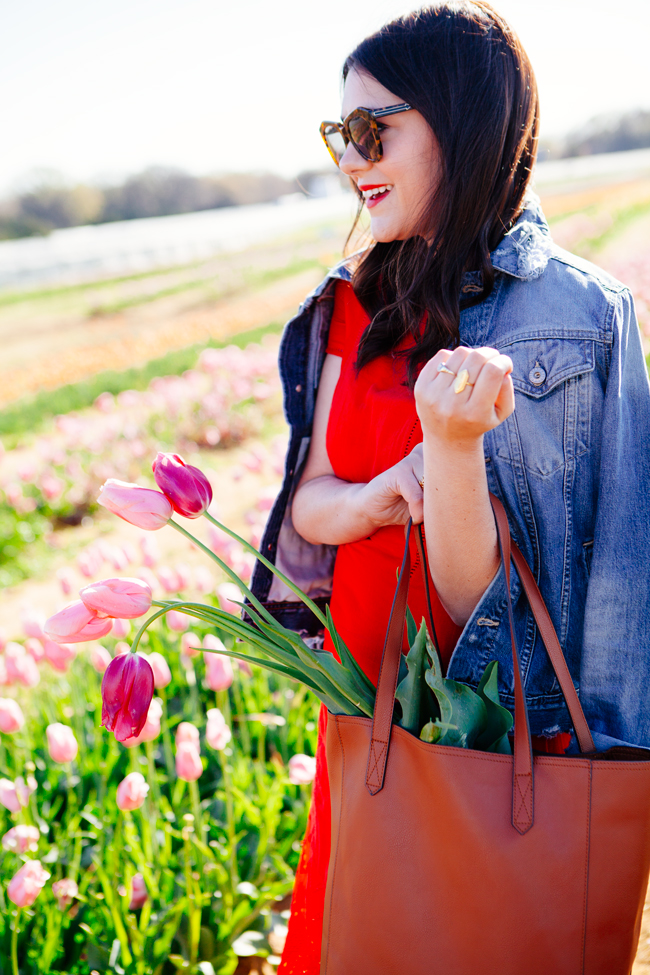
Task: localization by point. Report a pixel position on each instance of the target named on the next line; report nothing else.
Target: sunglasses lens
(334, 141)
(364, 138)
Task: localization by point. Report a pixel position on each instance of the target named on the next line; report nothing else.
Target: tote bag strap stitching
(587, 859)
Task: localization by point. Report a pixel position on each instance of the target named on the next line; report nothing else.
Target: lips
(375, 194)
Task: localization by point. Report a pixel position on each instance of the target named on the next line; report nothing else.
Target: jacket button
(537, 375)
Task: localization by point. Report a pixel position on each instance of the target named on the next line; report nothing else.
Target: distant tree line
(158, 191)
(613, 133)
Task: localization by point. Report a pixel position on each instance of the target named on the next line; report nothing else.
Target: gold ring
(421, 482)
(443, 368)
(462, 380)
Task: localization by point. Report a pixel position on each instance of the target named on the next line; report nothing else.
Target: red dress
(373, 424)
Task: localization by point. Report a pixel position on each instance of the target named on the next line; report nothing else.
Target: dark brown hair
(461, 66)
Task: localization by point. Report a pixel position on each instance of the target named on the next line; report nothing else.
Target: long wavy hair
(460, 65)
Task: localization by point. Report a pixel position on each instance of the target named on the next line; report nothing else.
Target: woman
(463, 354)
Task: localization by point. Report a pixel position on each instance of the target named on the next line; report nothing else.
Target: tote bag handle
(522, 793)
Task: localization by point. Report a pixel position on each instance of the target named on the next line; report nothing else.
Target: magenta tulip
(302, 769)
(77, 624)
(65, 891)
(59, 655)
(61, 743)
(187, 732)
(218, 671)
(138, 893)
(187, 487)
(21, 839)
(127, 692)
(162, 675)
(142, 507)
(25, 886)
(11, 716)
(119, 598)
(132, 791)
(217, 732)
(188, 762)
(100, 658)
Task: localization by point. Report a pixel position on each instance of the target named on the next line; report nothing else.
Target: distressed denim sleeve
(615, 670)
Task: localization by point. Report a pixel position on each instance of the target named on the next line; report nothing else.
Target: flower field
(175, 851)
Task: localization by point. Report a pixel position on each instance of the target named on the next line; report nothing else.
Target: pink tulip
(151, 728)
(302, 769)
(100, 658)
(168, 579)
(244, 667)
(15, 795)
(11, 716)
(187, 732)
(34, 648)
(179, 622)
(52, 487)
(25, 886)
(138, 893)
(190, 643)
(140, 506)
(119, 598)
(161, 673)
(76, 624)
(21, 839)
(3, 672)
(203, 579)
(187, 487)
(146, 575)
(66, 580)
(65, 891)
(150, 553)
(33, 625)
(61, 743)
(184, 575)
(132, 791)
(59, 655)
(218, 671)
(188, 762)
(121, 648)
(20, 666)
(127, 691)
(121, 628)
(3, 640)
(217, 732)
(229, 594)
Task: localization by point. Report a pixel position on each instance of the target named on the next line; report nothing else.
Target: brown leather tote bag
(449, 861)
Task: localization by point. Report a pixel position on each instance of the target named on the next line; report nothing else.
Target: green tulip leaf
(411, 628)
(499, 721)
(459, 706)
(434, 730)
(412, 693)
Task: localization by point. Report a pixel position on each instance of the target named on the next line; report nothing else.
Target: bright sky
(98, 89)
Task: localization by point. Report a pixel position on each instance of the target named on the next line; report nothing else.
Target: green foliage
(216, 855)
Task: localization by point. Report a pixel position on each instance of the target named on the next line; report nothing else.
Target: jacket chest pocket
(550, 426)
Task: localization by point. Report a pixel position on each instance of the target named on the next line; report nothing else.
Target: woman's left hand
(487, 399)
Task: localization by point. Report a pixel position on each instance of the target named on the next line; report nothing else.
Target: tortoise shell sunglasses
(361, 129)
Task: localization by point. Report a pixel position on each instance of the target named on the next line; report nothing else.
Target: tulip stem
(14, 943)
(269, 565)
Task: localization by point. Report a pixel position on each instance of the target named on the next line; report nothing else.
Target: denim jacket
(571, 466)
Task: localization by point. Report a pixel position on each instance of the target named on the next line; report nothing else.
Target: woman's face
(398, 188)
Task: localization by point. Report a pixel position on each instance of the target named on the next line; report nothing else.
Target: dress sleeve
(336, 340)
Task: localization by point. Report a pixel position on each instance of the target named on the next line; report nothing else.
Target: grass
(30, 414)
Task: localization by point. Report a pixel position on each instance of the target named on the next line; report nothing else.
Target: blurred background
(166, 203)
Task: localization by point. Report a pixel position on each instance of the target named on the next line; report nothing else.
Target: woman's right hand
(395, 495)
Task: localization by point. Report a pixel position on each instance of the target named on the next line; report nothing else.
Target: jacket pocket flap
(542, 364)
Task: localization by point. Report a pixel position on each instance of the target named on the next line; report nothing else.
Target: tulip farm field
(157, 828)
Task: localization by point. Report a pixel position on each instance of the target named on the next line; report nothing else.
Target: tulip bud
(132, 791)
(138, 893)
(119, 598)
(11, 716)
(100, 658)
(162, 675)
(20, 666)
(176, 621)
(25, 886)
(76, 624)
(59, 655)
(61, 743)
(188, 762)
(190, 643)
(33, 624)
(218, 671)
(34, 648)
(186, 731)
(142, 507)
(121, 629)
(65, 891)
(151, 728)
(21, 839)
(229, 597)
(127, 691)
(217, 732)
(302, 769)
(187, 487)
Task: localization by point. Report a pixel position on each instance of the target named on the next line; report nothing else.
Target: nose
(353, 163)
